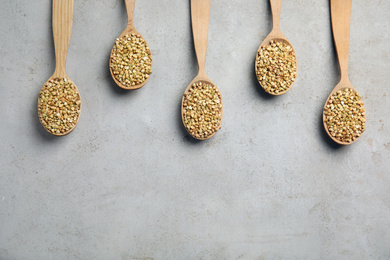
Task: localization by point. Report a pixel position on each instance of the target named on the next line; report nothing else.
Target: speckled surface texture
(129, 183)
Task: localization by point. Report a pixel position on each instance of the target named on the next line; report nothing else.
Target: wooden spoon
(275, 35)
(62, 29)
(200, 11)
(130, 29)
(340, 16)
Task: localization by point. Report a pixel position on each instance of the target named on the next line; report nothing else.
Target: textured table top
(129, 183)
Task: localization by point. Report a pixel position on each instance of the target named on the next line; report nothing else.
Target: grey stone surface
(129, 183)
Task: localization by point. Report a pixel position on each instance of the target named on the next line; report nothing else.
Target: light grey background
(129, 183)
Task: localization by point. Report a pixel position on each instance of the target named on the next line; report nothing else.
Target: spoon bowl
(341, 86)
(129, 30)
(206, 81)
(45, 110)
(340, 16)
(59, 103)
(275, 36)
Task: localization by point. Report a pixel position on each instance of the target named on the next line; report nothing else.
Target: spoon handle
(276, 6)
(341, 14)
(130, 12)
(62, 29)
(200, 11)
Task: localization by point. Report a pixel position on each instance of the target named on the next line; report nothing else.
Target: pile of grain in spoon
(202, 110)
(131, 60)
(276, 67)
(345, 116)
(59, 105)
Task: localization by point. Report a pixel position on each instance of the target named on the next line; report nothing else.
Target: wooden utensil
(130, 29)
(62, 29)
(275, 34)
(340, 16)
(200, 11)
